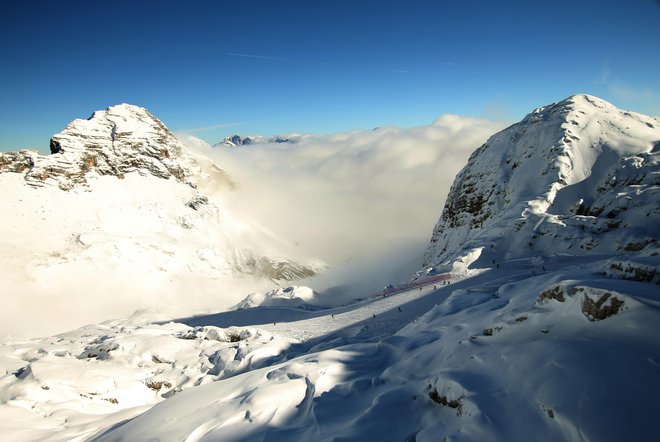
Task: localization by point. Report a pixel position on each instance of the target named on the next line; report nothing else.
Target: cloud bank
(365, 202)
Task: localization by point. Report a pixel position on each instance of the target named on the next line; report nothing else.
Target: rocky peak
(115, 141)
(555, 171)
(238, 140)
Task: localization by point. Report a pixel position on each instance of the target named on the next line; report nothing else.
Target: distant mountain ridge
(235, 140)
(578, 176)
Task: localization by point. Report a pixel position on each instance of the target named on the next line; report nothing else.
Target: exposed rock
(557, 293)
(235, 140)
(446, 402)
(634, 271)
(17, 162)
(597, 310)
(156, 385)
(490, 331)
(197, 202)
(597, 304)
(275, 269)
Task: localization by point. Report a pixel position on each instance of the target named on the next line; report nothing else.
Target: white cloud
(262, 57)
(358, 197)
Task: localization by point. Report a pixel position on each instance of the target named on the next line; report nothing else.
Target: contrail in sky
(205, 128)
(264, 57)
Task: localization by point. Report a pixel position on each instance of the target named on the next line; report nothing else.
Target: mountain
(547, 342)
(121, 200)
(114, 142)
(578, 176)
(238, 140)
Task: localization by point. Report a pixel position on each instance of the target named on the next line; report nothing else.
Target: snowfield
(535, 317)
(493, 355)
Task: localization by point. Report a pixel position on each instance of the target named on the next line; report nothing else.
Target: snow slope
(122, 216)
(548, 343)
(495, 355)
(543, 345)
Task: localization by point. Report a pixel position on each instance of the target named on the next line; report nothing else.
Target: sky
(212, 68)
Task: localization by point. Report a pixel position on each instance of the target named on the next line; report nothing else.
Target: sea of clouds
(365, 202)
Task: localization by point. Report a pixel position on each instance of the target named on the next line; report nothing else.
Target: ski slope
(372, 318)
(509, 363)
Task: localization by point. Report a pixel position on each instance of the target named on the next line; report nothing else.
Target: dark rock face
(597, 310)
(596, 304)
(236, 140)
(55, 146)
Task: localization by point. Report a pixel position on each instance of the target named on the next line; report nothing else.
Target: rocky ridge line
(115, 141)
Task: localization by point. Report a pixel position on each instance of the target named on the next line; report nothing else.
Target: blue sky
(264, 67)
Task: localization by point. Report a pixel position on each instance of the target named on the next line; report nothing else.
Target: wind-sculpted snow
(579, 176)
(513, 353)
(55, 386)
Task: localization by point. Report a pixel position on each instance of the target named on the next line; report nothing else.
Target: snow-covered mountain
(547, 341)
(238, 140)
(579, 176)
(114, 142)
(121, 200)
